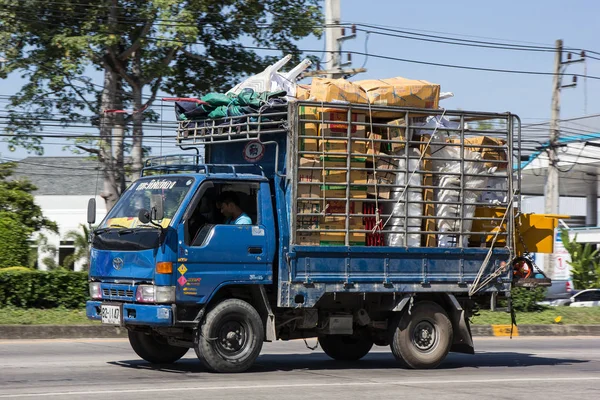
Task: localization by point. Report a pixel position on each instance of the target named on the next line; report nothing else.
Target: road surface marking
(301, 385)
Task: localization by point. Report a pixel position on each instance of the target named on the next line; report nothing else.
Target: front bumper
(135, 314)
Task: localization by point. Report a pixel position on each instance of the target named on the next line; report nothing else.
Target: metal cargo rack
(502, 128)
(234, 128)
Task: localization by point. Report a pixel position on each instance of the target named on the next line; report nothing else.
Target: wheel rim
(424, 336)
(233, 337)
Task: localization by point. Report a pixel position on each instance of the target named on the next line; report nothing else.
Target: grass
(568, 316)
(34, 316)
(63, 316)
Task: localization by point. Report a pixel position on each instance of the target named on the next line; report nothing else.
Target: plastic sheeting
(397, 209)
(450, 185)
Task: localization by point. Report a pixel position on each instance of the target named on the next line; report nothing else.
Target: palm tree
(82, 247)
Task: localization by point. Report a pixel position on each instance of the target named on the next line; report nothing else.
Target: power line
(390, 58)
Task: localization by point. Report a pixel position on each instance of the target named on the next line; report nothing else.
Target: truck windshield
(138, 196)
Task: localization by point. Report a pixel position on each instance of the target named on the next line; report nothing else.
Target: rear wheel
(231, 337)
(344, 347)
(154, 348)
(422, 339)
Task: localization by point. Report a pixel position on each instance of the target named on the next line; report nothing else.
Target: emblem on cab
(117, 263)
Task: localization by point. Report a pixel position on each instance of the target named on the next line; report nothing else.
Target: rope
(477, 286)
(377, 214)
(415, 170)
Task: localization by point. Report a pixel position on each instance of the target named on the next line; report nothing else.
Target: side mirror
(144, 216)
(91, 211)
(157, 210)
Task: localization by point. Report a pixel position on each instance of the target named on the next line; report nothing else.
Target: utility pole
(335, 36)
(552, 194)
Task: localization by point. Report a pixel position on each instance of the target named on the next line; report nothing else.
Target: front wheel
(155, 349)
(344, 347)
(231, 337)
(422, 339)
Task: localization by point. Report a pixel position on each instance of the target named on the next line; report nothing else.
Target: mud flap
(463, 340)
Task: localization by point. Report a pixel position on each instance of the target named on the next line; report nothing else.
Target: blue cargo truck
(362, 225)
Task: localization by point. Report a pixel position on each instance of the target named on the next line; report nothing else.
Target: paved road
(521, 368)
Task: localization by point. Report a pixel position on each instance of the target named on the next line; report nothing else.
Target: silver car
(586, 298)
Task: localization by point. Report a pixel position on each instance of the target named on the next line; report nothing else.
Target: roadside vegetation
(64, 316)
(552, 315)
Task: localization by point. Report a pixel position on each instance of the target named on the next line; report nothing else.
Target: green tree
(49, 251)
(585, 267)
(81, 243)
(16, 200)
(20, 217)
(184, 47)
(14, 250)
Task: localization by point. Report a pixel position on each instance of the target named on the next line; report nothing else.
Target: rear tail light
(568, 287)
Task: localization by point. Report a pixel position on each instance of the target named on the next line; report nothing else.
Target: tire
(345, 347)
(422, 339)
(154, 348)
(231, 337)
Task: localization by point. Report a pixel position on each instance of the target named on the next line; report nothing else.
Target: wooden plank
(428, 239)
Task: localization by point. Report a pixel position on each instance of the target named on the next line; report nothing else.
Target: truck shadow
(378, 360)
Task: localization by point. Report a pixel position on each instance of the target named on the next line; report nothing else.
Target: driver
(229, 205)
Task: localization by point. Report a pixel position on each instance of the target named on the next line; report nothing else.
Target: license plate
(111, 315)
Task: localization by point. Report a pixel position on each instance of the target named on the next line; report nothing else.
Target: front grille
(117, 292)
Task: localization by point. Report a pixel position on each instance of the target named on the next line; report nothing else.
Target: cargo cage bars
(503, 126)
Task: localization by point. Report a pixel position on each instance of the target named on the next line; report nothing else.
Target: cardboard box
(327, 90)
(334, 170)
(338, 125)
(304, 221)
(339, 191)
(310, 170)
(302, 92)
(478, 143)
(381, 192)
(340, 176)
(396, 134)
(311, 191)
(401, 92)
(488, 226)
(373, 145)
(331, 170)
(328, 146)
(308, 128)
(308, 238)
(338, 238)
(339, 207)
(308, 145)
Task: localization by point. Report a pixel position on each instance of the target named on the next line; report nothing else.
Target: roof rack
(179, 163)
(233, 129)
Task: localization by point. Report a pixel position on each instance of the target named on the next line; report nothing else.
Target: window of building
(66, 249)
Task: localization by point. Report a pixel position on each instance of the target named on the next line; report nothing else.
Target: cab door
(214, 254)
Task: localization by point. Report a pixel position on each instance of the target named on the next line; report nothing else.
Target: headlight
(155, 294)
(95, 290)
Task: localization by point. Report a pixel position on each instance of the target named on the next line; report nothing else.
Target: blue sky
(524, 22)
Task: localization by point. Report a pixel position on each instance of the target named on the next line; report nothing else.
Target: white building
(579, 168)
(64, 187)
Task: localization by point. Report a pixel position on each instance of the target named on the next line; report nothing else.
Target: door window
(221, 203)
